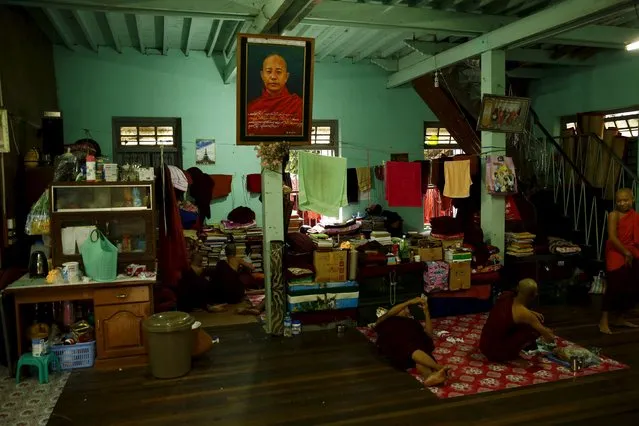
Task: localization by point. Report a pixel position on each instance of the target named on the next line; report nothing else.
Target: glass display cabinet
(123, 211)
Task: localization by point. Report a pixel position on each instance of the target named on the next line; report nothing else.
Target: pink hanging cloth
(403, 184)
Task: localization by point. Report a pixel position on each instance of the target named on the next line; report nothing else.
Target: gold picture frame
(274, 89)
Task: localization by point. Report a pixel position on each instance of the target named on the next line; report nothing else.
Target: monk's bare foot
(520, 363)
(436, 378)
(446, 370)
(605, 329)
(624, 323)
(216, 308)
(248, 311)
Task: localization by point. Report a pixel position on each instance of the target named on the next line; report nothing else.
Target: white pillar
(493, 209)
(273, 224)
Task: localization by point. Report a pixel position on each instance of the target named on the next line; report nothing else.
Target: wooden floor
(322, 378)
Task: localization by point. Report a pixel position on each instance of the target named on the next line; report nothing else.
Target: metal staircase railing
(582, 171)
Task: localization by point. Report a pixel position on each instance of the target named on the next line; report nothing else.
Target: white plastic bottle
(91, 171)
(288, 325)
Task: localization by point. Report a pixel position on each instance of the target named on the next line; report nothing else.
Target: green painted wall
(373, 121)
(611, 85)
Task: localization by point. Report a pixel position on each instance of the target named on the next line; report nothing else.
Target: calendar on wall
(4, 131)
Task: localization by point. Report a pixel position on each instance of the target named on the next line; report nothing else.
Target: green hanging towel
(322, 183)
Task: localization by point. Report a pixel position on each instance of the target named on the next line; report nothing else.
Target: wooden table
(120, 307)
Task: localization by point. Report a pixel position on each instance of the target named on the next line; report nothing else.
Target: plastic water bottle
(288, 325)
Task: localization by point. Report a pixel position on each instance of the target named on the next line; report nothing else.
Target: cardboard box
(430, 254)
(446, 244)
(459, 276)
(330, 266)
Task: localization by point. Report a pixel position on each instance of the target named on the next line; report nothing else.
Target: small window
(437, 141)
(139, 140)
(627, 123)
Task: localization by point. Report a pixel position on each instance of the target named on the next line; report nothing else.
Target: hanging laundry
(178, 178)
(501, 178)
(379, 172)
(457, 179)
(322, 183)
(201, 190)
(352, 187)
(364, 179)
(254, 183)
(403, 184)
(222, 185)
(435, 205)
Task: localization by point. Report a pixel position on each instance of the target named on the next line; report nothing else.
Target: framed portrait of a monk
(274, 89)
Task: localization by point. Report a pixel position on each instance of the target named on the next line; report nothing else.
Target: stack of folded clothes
(520, 244)
(382, 237)
(322, 241)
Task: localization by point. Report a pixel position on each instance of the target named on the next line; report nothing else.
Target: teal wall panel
(373, 121)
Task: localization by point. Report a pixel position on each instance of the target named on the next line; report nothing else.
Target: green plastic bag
(100, 257)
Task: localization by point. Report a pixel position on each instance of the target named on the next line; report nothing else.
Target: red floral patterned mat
(472, 373)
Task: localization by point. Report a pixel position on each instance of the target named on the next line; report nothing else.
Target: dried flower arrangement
(272, 155)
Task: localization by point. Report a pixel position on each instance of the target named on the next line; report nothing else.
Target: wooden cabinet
(123, 211)
(119, 329)
(120, 307)
(119, 313)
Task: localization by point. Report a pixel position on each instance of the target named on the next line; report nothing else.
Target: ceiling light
(632, 46)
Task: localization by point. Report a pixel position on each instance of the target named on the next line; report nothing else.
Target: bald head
(527, 290)
(624, 200)
(274, 73)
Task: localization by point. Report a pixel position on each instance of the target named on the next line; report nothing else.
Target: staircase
(582, 194)
(571, 197)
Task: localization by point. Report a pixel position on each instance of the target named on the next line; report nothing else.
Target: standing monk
(407, 344)
(622, 264)
(511, 326)
(277, 112)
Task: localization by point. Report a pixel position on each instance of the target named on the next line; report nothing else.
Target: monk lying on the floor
(407, 344)
(511, 326)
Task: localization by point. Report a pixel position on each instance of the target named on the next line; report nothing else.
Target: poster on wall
(204, 151)
(274, 89)
(505, 114)
(5, 146)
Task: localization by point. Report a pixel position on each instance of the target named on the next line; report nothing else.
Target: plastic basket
(100, 257)
(80, 355)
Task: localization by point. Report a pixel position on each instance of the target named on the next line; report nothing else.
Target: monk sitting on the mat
(622, 262)
(511, 326)
(407, 344)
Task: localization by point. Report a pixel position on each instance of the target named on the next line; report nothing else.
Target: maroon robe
(501, 338)
(275, 115)
(397, 339)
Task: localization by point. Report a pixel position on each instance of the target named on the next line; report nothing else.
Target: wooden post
(272, 214)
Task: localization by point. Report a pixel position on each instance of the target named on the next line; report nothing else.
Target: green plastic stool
(42, 363)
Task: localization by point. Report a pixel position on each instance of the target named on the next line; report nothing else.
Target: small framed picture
(274, 89)
(504, 114)
(204, 151)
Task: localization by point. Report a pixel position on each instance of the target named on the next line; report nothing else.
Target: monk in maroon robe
(277, 112)
(622, 262)
(511, 326)
(407, 344)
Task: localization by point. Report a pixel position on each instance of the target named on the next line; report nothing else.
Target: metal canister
(576, 363)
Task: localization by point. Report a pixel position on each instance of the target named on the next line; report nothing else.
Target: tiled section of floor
(28, 403)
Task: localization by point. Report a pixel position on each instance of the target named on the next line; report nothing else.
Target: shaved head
(624, 191)
(274, 73)
(624, 200)
(527, 290)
